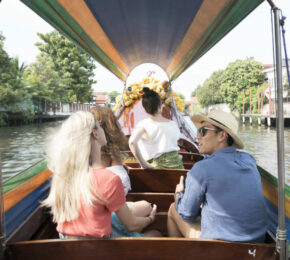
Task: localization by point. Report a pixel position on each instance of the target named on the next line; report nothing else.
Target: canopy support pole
(174, 106)
(2, 227)
(281, 235)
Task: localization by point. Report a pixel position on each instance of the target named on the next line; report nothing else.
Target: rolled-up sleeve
(188, 204)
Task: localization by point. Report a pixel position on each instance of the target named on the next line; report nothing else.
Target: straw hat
(223, 120)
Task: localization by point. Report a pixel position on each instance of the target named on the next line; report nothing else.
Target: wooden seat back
(139, 248)
(155, 180)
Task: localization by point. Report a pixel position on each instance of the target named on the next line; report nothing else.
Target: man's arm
(188, 203)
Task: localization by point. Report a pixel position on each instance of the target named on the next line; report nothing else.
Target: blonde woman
(83, 194)
(111, 159)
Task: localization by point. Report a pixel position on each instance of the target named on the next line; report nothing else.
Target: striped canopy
(122, 34)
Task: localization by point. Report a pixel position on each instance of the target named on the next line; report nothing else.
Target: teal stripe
(25, 175)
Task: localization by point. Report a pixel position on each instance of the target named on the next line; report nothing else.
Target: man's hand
(180, 185)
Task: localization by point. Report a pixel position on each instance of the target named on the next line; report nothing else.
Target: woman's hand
(180, 185)
(146, 166)
(153, 213)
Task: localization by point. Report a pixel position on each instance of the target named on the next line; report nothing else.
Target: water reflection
(260, 141)
(22, 146)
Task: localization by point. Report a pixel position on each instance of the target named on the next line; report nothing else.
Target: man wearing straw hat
(224, 188)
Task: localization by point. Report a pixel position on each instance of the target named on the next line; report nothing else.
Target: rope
(282, 22)
(280, 236)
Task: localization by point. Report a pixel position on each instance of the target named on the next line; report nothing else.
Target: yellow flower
(167, 101)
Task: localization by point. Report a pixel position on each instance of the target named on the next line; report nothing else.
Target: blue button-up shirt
(228, 185)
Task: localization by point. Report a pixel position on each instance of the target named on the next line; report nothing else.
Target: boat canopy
(122, 34)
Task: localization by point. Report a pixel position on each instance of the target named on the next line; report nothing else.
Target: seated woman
(154, 141)
(111, 159)
(83, 194)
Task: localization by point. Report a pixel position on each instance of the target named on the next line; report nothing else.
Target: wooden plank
(139, 248)
(162, 200)
(135, 165)
(33, 225)
(12, 197)
(188, 146)
(191, 157)
(159, 224)
(155, 180)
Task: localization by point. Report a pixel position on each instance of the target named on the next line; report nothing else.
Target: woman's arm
(132, 222)
(135, 137)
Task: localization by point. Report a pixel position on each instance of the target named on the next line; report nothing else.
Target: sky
(251, 38)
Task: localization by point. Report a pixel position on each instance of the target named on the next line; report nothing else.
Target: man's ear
(224, 136)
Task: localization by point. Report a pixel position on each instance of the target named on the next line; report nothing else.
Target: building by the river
(269, 74)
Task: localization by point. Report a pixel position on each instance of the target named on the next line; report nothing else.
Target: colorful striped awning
(122, 34)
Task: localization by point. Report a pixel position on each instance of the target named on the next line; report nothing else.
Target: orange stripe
(271, 193)
(79, 11)
(12, 197)
(207, 14)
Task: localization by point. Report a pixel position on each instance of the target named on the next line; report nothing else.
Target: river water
(22, 146)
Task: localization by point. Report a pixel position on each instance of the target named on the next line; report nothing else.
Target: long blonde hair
(68, 154)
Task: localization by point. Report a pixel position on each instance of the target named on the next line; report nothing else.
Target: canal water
(22, 146)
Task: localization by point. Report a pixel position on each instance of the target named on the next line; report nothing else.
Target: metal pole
(258, 99)
(2, 228)
(174, 106)
(250, 101)
(243, 101)
(270, 108)
(281, 243)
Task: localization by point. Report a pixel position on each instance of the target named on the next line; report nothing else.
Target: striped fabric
(169, 160)
(123, 34)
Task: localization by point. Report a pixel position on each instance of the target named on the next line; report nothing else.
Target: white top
(161, 138)
(122, 173)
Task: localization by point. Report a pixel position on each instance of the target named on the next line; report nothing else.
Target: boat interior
(38, 233)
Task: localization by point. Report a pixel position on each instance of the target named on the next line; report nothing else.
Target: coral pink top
(95, 221)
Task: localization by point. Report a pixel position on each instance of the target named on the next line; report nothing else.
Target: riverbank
(16, 119)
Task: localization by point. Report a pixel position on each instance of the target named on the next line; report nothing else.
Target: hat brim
(198, 119)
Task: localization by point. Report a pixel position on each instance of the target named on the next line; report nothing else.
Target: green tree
(113, 95)
(238, 76)
(194, 92)
(180, 95)
(209, 93)
(12, 92)
(43, 81)
(74, 67)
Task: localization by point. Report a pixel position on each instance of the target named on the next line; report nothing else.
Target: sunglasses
(202, 131)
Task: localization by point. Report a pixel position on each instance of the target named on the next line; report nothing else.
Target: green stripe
(237, 13)
(25, 175)
(272, 179)
(42, 9)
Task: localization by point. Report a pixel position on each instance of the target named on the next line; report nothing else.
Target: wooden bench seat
(154, 180)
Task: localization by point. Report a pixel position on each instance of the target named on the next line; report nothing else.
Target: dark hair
(151, 101)
(230, 140)
(116, 140)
